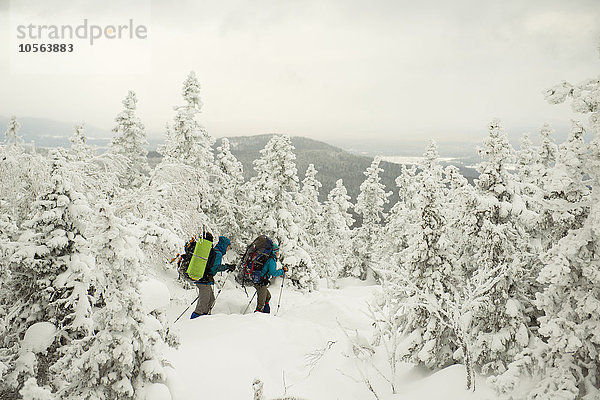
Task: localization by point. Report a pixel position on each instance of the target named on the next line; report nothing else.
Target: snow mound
(155, 391)
(39, 337)
(447, 384)
(154, 294)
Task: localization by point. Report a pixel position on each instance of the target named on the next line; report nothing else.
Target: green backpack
(199, 258)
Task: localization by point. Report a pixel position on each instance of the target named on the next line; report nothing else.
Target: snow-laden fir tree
(458, 194)
(421, 285)
(526, 168)
(423, 313)
(174, 198)
(335, 232)
(179, 194)
(48, 281)
(310, 200)
(312, 214)
(23, 177)
(167, 212)
(230, 199)
(528, 174)
(567, 358)
(536, 168)
(548, 149)
(402, 214)
(186, 140)
(125, 351)
(494, 242)
(274, 195)
(80, 150)
(370, 206)
(563, 208)
(130, 142)
(187, 143)
(96, 176)
(12, 132)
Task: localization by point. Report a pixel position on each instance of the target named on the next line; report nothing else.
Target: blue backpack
(255, 257)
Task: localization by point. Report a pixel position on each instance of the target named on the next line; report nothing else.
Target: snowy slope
(220, 355)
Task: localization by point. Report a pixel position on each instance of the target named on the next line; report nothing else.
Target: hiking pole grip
(181, 315)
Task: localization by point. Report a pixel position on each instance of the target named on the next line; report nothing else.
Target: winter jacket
(220, 249)
(270, 269)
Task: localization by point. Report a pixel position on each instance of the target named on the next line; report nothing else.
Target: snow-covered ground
(302, 352)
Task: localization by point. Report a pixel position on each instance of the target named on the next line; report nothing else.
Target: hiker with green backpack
(206, 281)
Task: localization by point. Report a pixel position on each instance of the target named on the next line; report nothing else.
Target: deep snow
(220, 355)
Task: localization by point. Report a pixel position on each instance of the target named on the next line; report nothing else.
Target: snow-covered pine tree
(49, 280)
(336, 234)
(402, 214)
(426, 277)
(80, 150)
(423, 311)
(495, 242)
(312, 214)
(96, 176)
(174, 198)
(230, 200)
(12, 132)
(569, 327)
(23, 177)
(563, 206)
(130, 142)
(125, 351)
(386, 307)
(310, 201)
(548, 149)
(459, 193)
(526, 161)
(529, 172)
(187, 143)
(369, 205)
(274, 192)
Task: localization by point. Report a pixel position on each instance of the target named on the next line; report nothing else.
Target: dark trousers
(262, 296)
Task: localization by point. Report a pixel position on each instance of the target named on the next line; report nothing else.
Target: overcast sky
(328, 70)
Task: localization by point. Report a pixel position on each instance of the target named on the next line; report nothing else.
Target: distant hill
(332, 163)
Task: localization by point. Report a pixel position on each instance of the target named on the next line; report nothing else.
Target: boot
(194, 315)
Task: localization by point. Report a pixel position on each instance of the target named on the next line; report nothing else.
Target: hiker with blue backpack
(269, 270)
(205, 283)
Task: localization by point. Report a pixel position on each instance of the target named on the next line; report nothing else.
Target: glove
(230, 267)
(285, 269)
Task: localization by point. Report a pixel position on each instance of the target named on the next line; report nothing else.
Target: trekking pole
(250, 302)
(280, 292)
(181, 315)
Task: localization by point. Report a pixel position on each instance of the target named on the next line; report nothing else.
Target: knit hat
(275, 247)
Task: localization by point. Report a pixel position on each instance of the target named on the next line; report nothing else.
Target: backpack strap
(208, 276)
